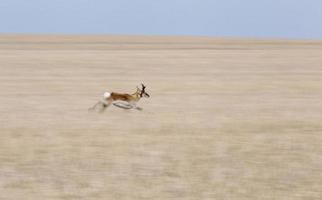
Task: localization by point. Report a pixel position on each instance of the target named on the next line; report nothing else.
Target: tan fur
(124, 97)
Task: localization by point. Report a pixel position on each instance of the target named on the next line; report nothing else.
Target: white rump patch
(106, 95)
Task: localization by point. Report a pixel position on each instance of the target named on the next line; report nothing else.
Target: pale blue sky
(224, 18)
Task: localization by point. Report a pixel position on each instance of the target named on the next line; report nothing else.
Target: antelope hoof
(139, 108)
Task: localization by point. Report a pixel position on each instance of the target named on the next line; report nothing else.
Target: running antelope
(128, 100)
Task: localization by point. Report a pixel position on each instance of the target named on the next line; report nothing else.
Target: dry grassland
(227, 119)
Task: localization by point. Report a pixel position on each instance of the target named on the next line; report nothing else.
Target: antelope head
(143, 93)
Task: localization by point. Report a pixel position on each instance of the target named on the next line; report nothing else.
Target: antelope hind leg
(99, 107)
(93, 107)
(104, 106)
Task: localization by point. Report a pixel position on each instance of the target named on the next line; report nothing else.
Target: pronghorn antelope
(128, 100)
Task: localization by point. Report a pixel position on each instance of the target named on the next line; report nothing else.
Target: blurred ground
(227, 119)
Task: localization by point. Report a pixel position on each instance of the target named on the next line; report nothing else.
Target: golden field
(228, 119)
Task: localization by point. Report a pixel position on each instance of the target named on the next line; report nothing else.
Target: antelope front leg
(136, 107)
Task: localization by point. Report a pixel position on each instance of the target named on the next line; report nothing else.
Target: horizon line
(259, 38)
